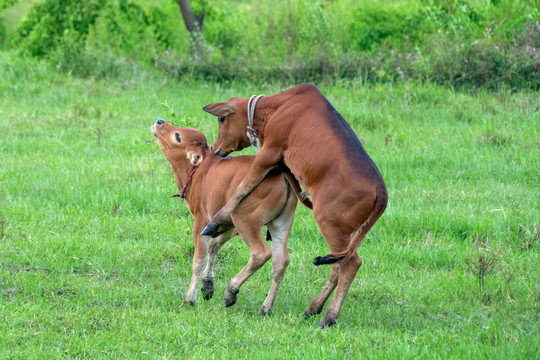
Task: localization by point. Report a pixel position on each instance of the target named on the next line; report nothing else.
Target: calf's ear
(220, 109)
(194, 158)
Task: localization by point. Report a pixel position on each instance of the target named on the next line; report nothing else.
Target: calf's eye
(221, 119)
(178, 137)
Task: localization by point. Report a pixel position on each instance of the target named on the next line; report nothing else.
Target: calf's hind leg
(260, 253)
(348, 268)
(318, 303)
(279, 228)
(341, 275)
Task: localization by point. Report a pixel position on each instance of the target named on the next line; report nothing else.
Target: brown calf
(207, 189)
(300, 129)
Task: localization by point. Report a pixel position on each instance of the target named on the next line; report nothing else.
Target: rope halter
(182, 194)
(251, 132)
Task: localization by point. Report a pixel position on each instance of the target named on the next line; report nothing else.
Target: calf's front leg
(263, 163)
(198, 266)
(202, 245)
(207, 280)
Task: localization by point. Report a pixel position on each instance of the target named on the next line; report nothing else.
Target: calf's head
(232, 119)
(181, 146)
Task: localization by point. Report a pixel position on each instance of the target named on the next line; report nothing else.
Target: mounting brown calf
(206, 182)
(300, 129)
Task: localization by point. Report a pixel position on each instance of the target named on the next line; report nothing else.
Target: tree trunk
(195, 25)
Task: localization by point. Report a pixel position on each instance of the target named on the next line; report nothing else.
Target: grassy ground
(95, 257)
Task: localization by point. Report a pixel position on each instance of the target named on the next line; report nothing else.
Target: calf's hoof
(207, 293)
(263, 312)
(327, 322)
(188, 302)
(207, 289)
(210, 230)
(307, 314)
(231, 296)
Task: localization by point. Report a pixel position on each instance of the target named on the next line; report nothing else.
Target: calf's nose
(160, 121)
(221, 153)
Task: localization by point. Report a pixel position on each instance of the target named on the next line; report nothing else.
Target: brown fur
(272, 203)
(301, 130)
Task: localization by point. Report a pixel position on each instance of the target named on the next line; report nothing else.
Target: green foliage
(179, 120)
(132, 27)
(52, 21)
(2, 33)
(484, 63)
(374, 25)
(450, 42)
(4, 4)
(435, 40)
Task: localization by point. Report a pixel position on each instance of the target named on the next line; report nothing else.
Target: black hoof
(188, 303)
(207, 294)
(231, 297)
(324, 324)
(307, 315)
(210, 230)
(207, 289)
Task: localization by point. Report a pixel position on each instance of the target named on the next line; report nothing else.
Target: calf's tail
(380, 205)
(295, 185)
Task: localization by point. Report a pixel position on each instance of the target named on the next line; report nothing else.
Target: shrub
(135, 29)
(461, 43)
(485, 63)
(50, 22)
(4, 4)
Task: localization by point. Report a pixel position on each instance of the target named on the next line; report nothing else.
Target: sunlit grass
(95, 257)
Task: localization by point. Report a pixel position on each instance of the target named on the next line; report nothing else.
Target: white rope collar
(251, 132)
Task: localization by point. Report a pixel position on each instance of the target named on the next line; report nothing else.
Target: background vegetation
(463, 43)
(95, 257)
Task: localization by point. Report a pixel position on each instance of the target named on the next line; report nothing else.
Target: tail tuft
(328, 259)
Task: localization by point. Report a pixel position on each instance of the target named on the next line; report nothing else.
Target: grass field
(95, 257)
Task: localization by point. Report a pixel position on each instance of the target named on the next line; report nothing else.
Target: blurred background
(466, 44)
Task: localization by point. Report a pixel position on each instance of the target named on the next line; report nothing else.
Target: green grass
(95, 257)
